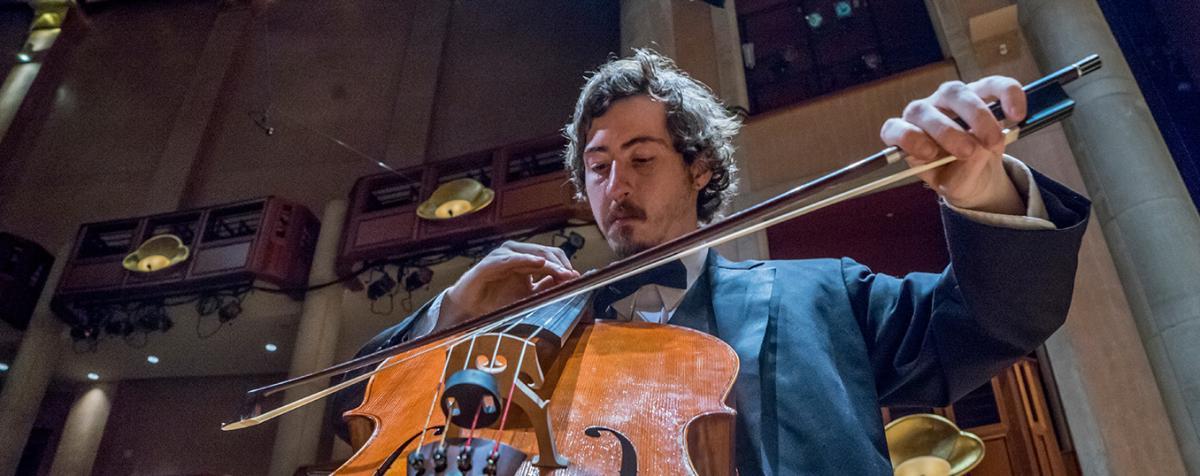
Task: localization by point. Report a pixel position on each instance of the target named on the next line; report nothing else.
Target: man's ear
(701, 174)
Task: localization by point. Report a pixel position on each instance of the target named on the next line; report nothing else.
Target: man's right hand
(510, 272)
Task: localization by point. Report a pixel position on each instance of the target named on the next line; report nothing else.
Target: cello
(537, 384)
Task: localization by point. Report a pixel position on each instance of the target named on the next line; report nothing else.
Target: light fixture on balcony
(456, 198)
(157, 253)
(928, 444)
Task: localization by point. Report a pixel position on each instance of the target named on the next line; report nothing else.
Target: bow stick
(1047, 103)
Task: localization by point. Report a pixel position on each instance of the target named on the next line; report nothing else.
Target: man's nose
(619, 180)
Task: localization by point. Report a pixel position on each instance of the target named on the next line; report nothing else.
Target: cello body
(621, 398)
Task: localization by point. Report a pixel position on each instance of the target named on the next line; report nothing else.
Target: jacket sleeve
(932, 338)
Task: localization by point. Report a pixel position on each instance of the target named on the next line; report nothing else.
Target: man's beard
(622, 241)
(625, 246)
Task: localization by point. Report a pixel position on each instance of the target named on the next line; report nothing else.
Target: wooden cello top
(652, 395)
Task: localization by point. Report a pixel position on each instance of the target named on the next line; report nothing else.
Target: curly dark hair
(700, 125)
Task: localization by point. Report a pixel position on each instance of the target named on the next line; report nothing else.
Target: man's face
(640, 191)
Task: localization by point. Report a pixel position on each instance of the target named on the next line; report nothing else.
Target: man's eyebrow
(629, 143)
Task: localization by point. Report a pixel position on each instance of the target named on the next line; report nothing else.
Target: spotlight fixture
(271, 347)
(3, 367)
(418, 279)
(574, 242)
(456, 198)
(814, 20)
(381, 286)
(155, 319)
(93, 376)
(49, 15)
(85, 332)
(152, 359)
(157, 253)
(119, 328)
(229, 311)
(24, 57)
(843, 9)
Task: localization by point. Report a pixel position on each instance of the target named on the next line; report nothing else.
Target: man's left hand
(927, 131)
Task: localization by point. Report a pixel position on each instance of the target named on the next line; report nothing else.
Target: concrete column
(702, 39)
(727, 43)
(230, 35)
(647, 24)
(299, 433)
(81, 435)
(1149, 221)
(30, 372)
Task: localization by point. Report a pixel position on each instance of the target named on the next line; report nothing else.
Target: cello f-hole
(629, 459)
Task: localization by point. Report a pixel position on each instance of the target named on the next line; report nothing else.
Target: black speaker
(23, 269)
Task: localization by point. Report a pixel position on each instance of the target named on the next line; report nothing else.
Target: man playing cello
(822, 343)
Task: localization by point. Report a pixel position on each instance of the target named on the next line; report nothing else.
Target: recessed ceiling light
(93, 376)
(152, 359)
(271, 347)
(3, 367)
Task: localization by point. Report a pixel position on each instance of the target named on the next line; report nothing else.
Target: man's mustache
(625, 209)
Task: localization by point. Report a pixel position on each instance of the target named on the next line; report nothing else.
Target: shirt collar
(694, 264)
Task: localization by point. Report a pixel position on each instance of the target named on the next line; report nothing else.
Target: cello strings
(526, 343)
(508, 403)
(517, 375)
(437, 392)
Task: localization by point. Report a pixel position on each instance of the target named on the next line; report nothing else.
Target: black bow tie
(671, 274)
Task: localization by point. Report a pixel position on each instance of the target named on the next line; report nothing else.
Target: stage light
(155, 320)
(456, 198)
(152, 359)
(79, 333)
(843, 9)
(230, 311)
(382, 286)
(49, 15)
(3, 367)
(418, 279)
(157, 253)
(93, 376)
(814, 20)
(119, 328)
(271, 347)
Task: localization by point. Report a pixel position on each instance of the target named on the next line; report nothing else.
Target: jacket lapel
(742, 299)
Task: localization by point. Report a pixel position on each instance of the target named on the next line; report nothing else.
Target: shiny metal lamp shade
(929, 445)
(157, 253)
(456, 198)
